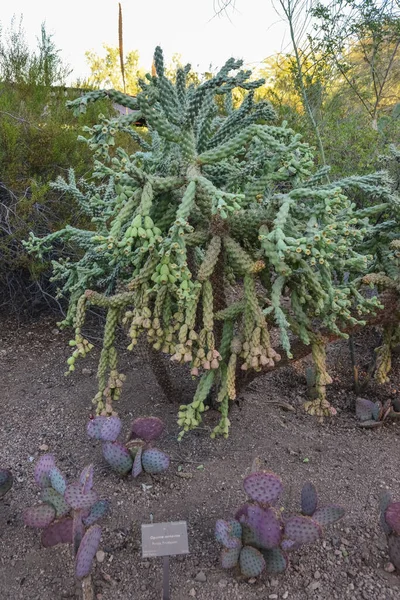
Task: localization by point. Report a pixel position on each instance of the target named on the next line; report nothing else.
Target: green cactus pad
(276, 561)
(137, 463)
(303, 530)
(263, 487)
(154, 461)
(394, 550)
(365, 409)
(265, 526)
(392, 517)
(78, 530)
(77, 498)
(309, 499)
(52, 497)
(384, 501)
(86, 479)
(58, 532)
(40, 515)
(6, 481)
(97, 511)
(103, 428)
(229, 557)
(87, 551)
(42, 469)
(118, 457)
(251, 562)
(57, 480)
(327, 515)
(147, 428)
(229, 533)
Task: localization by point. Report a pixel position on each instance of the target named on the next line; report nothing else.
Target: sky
(251, 31)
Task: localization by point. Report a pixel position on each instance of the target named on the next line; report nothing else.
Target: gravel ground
(43, 411)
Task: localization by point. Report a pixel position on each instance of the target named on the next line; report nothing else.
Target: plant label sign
(164, 539)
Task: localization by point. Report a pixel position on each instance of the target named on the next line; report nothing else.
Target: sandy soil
(41, 411)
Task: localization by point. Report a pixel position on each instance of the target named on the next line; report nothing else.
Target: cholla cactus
(6, 482)
(137, 455)
(66, 511)
(390, 521)
(261, 536)
(217, 194)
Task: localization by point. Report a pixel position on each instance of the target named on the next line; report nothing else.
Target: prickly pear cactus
(217, 195)
(137, 455)
(260, 537)
(66, 509)
(6, 482)
(390, 521)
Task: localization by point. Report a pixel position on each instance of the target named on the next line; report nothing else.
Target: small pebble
(201, 576)
(389, 568)
(100, 556)
(285, 595)
(43, 447)
(273, 597)
(317, 575)
(192, 592)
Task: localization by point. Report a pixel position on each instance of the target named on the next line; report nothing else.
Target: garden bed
(43, 411)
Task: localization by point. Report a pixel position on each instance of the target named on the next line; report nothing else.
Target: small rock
(273, 597)
(317, 575)
(43, 447)
(100, 556)
(201, 577)
(55, 331)
(86, 371)
(252, 580)
(389, 568)
(314, 585)
(222, 583)
(285, 595)
(192, 592)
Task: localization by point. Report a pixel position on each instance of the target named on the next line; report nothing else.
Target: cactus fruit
(118, 457)
(147, 428)
(104, 428)
(40, 515)
(66, 511)
(309, 499)
(260, 536)
(87, 550)
(136, 455)
(6, 482)
(251, 562)
(263, 487)
(154, 461)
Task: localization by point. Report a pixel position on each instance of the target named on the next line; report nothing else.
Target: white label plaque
(164, 539)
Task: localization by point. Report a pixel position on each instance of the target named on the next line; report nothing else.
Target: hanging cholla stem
(217, 195)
